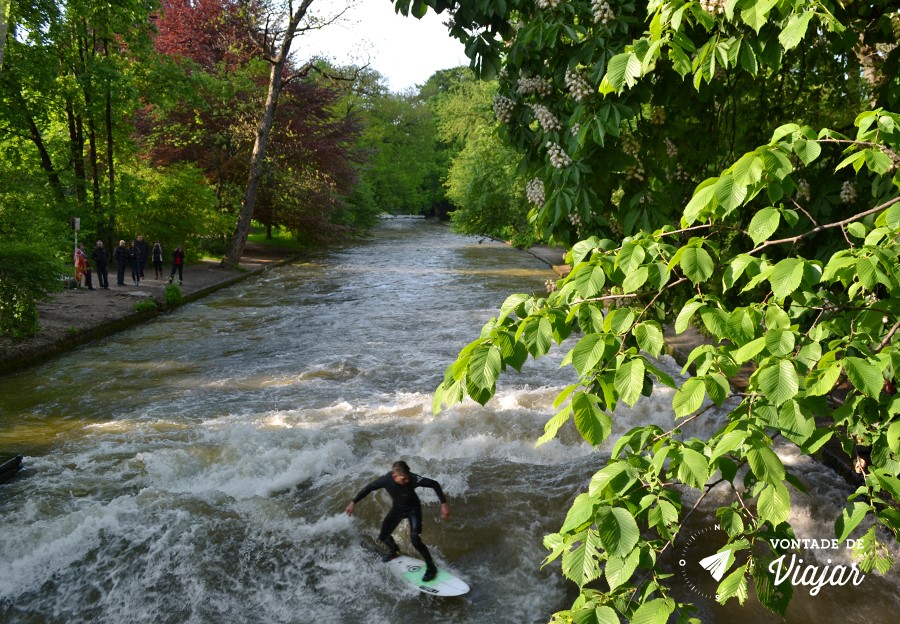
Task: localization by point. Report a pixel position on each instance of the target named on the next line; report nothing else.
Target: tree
(276, 47)
(4, 27)
(785, 255)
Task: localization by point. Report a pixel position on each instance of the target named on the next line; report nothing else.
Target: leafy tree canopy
(708, 164)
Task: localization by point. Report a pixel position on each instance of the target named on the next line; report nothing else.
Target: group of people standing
(133, 256)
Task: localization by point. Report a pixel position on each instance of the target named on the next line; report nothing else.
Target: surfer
(401, 484)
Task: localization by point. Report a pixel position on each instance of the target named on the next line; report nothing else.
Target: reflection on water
(195, 469)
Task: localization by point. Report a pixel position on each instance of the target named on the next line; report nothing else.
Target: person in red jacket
(401, 485)
(177, 264)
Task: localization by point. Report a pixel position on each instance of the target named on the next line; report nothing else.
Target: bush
(174, 297)
(147, 305)
(27, 274)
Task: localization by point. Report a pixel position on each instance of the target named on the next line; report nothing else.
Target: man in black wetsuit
(401, 484)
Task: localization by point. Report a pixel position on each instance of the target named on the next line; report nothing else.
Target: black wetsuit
(405, 504)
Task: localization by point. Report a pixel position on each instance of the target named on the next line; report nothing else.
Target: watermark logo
(704, 561)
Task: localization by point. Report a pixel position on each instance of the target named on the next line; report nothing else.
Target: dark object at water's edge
(8, 469)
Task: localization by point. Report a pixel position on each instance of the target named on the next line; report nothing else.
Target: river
(195, 468)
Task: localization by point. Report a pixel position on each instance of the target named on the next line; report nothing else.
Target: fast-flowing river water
(196, 468)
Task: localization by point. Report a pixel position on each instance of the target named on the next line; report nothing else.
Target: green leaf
(730, 520)
(623, 69)
(617, 529)
(593, 423)
(808, 151)
(728, 442)
(734, 586)
(630, 380)
(729, 194)
(512, 302)
(864, 376)
(747, 170)
(620, 569)
(689, 397)
(786, 277)
(848, 521)
(697, 264)
(581, 564)
(552, 426)
(656, 611)
(749, 350)
(792, 35)
(763, 224)
(717, 387)
(774, 503)
(635, 279)
(765, 464)
(820, 381)
(703, 198)
(536, 333)
(780, 342)
(589, 280)
(649, 337)
(756, 14)
(588, 352)
(779, 382)
(630, 257)
(684, 317)
(581, 511)
(693, 469)
(716, 321)
(484, 367)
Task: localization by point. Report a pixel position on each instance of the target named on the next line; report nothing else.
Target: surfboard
(411, 571)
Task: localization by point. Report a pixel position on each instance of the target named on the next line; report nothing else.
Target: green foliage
(785, 255)
(27, 275)
(147, 305)
(483, 182)
(174, 296)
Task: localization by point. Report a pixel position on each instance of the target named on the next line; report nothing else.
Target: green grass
(280, 239)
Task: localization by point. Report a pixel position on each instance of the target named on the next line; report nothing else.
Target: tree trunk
(110, 164)
(76, 149)
(46, 163)
(258, 157)
(4, 27)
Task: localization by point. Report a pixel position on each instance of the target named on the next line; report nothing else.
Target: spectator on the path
(134, 260)
(100, 260)
(177, 264)
(157, 254)
(121, 257)
(80, 259)
(144, 248)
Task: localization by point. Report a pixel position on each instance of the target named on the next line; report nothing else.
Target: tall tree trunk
(76, 150)
(258, 157)
(46, 163)
(4, 27)
(110, 164)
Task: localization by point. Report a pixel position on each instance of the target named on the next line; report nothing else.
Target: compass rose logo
(701, 564)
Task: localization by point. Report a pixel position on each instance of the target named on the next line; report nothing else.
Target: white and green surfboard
(411, 571)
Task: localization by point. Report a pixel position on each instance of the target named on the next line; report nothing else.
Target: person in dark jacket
(134, 261)
(144, 248)
(121, 257)
(401, 485)
(177, 264)
(100, 261)
(157, 255)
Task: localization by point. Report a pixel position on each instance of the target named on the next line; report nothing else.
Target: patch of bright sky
(405, 50)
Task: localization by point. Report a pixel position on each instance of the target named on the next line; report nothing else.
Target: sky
(405, 50)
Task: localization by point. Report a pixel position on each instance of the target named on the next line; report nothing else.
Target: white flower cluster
(630, 146)
(548, 120)
(558, 156)
(713, 7)
(671, 150)
(848, 192)
(603, 13)
(803, 190)
(550, 285)
(503, 108)
(529, 86)
(577, 84)
(534, 191)
(575, 219)
(658, 116)
(680, 174)
(548, 4)
(575, 129)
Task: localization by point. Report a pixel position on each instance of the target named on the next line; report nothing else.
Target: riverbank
(75, 317)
